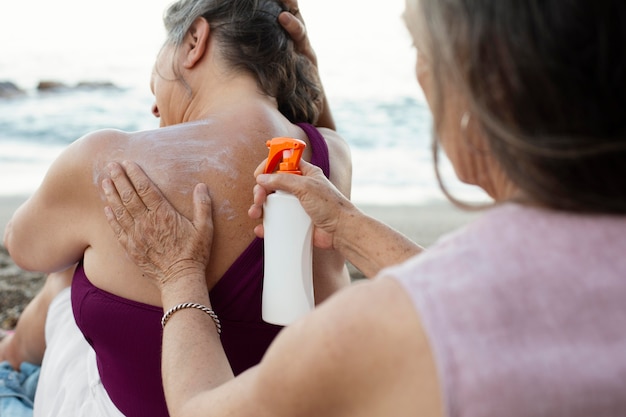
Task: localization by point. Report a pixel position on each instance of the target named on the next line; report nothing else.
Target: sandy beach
(423, 224)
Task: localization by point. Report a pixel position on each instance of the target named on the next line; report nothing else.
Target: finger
(202, 211)
(122, 217)
(283, 182)
(291, 4)
(308, 169)
(261, 168)
(259, 195)
(144, 189)
(286, 182)
(294, 26)
(118, 230)
(256, 209)
(255, 212)
(259, 231)
(128, 198)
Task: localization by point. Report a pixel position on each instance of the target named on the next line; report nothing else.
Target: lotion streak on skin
(163, 153)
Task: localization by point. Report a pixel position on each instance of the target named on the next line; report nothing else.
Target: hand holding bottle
(288, 252)
(367, 243)
(318, 196)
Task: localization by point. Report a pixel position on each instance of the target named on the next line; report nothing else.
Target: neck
(216, 95)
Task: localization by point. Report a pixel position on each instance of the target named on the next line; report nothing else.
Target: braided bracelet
(181, 306)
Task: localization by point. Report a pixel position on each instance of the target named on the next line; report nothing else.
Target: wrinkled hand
(161, 241)
(319, 197)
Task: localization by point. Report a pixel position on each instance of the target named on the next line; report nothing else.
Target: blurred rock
(93, 85)
(48, 85)
(54, 86)
(9, 90)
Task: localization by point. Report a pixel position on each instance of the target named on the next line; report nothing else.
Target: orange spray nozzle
(287, 151)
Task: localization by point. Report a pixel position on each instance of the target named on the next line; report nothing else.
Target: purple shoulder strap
(319, 148)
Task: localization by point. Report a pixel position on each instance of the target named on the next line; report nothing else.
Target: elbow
(7, 234)
(18, 257)
(7, 239)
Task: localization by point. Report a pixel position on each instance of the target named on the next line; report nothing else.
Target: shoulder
(340, 160)
(79, 163)
(337, 145)
(69, 197)
(73, 179)
(100, 140)
(95, 144)
(362, 352)
(81, 154)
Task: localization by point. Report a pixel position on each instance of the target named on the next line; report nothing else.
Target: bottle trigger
(286, 154)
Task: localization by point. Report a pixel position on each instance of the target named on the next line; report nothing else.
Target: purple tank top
(126, 335)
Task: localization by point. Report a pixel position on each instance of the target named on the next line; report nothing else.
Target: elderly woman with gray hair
(520, 313)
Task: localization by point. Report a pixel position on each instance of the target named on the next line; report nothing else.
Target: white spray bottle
(288, 242)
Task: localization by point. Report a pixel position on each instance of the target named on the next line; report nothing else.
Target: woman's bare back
(220, 151)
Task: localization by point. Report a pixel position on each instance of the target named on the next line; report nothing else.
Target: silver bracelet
(181, 306)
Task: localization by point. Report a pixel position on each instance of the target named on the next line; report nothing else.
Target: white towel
(69, 384)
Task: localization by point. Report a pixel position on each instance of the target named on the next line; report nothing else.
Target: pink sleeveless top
(525, 311)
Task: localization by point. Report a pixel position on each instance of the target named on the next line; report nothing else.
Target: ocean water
(366, 64)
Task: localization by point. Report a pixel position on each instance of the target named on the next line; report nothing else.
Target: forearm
(330, 273)
(326, 117)
(193, 360)
(29, 340)
(28, 343)
(371, 245)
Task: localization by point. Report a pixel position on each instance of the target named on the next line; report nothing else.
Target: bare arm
(28, 343)
(50, 231)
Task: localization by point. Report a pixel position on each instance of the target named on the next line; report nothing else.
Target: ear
(196, 42)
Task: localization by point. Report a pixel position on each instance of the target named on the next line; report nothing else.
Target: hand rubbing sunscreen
(288, 270)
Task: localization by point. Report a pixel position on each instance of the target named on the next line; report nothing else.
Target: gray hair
(252, 40)
(544, 80)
